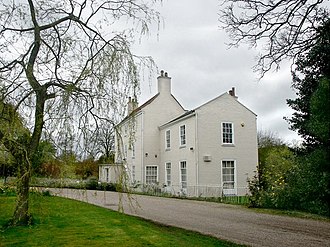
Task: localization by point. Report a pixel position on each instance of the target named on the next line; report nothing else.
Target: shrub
(50, 169)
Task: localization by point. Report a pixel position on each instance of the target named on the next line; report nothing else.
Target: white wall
(203, 136)
(178, 153)
(203, 131)
(243, 152)
(145, 135)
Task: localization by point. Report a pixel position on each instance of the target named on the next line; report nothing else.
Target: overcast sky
(192, 49)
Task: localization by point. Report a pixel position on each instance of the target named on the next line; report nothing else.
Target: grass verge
(65, 222)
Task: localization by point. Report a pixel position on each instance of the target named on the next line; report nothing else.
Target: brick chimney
(131, 105)
(164, 83)
(232, 92)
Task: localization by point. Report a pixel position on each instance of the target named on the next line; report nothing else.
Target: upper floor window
(168, 139)
(227, 133)
(182, 135)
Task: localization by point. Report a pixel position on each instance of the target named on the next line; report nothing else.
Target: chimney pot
(164, 83)
(232, 92)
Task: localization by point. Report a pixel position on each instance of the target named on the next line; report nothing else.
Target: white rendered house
(208, 151)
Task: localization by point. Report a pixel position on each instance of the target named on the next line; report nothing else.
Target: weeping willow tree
(64, 66)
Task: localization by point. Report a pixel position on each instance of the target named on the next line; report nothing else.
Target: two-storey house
(208, 151)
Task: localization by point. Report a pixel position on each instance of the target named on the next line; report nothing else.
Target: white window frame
(125, 151)
(107, 174)
(229, 191)
(183, 138)
(223, 133)
(133, 150)
(183, 187)
(168, 175)
(133, 173)
(168, 140)
(146, 175)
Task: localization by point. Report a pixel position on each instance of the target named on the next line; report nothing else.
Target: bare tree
(64, 65)
(283, 28)
(101, 141)
(268, 139)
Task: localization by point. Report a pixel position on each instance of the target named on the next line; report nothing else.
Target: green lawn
(64, 222)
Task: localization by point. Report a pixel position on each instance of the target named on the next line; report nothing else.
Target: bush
(107, 186)
(50, 169)
(87, 168)
(6, 190)
(92, 184)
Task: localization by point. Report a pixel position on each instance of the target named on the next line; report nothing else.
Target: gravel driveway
(234, 223)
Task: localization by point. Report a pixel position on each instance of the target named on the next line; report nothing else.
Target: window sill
(167, 149)
(228, 145)
(183, 146)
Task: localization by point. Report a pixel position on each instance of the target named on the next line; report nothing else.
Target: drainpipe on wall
(196, 153)
(142, 147)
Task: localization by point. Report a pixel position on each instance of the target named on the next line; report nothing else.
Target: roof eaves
(183, 116)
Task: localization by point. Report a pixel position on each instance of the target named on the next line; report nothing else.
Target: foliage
(268, 188)
(11, 129)
(7, 190)
(90, 184)
(312, 120)
(284, 29)
(311, 117)
(87, 168)
(44, 157)
(267, 142)
(319, 122)
(302, 181)
(308, 184)
(290, 181)
(51, 169)
(107, 160)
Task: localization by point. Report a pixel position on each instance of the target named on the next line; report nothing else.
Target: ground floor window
(107, 175)
(168, 173)
(151, 174)
(133, 174)
(228, 175)
(183, 171)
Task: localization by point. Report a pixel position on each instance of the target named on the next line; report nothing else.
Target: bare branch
(283, 28)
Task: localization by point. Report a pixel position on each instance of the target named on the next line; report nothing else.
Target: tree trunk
(21, 214)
